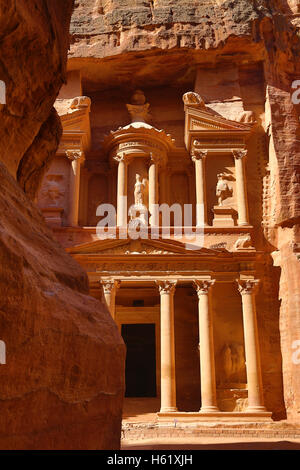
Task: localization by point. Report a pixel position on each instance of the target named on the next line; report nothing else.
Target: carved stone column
(253, 367)
(168, 380)
(109, 291)
(206, 343)
(76, 157)
(122, 191)
(153, 190)
(241, 189)
(198, 158)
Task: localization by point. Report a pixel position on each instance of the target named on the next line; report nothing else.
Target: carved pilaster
(153, 189)
(198, 157)
(168, 381)
(247, 289)
(239, 157)
(122, 189)
(206, 346)
(76, 157)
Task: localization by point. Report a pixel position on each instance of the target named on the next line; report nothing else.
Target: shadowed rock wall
(62, 385)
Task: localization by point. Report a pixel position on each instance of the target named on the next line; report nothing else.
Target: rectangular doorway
(140, 369)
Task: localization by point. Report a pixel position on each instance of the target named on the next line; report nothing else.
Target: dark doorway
(140, 370)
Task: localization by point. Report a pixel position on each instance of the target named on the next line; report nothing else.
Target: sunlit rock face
(62, 384)
(242, 58)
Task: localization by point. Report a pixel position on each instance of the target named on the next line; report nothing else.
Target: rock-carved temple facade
(194, 315)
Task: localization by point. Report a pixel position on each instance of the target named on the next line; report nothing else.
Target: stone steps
(142, 431)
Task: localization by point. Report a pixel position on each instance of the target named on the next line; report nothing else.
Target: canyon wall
(62, 384)
(241, 56)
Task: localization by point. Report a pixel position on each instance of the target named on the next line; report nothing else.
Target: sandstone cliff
(62, 384)
(239, 55)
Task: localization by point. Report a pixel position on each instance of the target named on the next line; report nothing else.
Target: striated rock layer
(62, 385)
(239, 56)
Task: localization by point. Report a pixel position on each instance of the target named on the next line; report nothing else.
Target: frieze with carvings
(141, 269)
(216, 143)
(140, 143)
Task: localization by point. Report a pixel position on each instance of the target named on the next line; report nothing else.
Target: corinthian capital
(154, 158)
(247, 286)
(198, 154)
(120, 157)
(109, 285)
(166, 287)
(202, 286)
(239, 154)
(74, 154)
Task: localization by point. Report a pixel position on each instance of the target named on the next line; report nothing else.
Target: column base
(171, 409)
(242, 224)
(214, 417)
(209, 409)
(256, 409)
(201, 226)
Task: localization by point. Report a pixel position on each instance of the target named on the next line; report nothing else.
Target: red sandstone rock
(62, 384)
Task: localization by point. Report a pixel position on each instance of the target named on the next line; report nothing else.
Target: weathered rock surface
(164, 43)
(33, 51)
(62, 385)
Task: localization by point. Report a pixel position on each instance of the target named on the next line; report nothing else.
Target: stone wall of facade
(239, 56)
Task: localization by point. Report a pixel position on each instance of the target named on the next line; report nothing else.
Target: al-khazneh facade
(191, 318)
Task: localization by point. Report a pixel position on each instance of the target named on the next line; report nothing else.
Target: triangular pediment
(140, 247)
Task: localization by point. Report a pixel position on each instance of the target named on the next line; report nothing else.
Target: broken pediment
(75, 120)
(214, 130)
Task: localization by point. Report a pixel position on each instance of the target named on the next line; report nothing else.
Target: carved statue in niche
(223, 191)
(138, 212)
(139, 190)
(226, 362)
(238, 361)
(52, 194)
(232, 362)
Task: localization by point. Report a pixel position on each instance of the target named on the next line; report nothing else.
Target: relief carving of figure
(52, 193)
(232, 363)
(139, 190)
(238, 361)
(223, 191)
(226, 362)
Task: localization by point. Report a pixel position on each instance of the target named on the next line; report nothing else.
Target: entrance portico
(162, 273)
